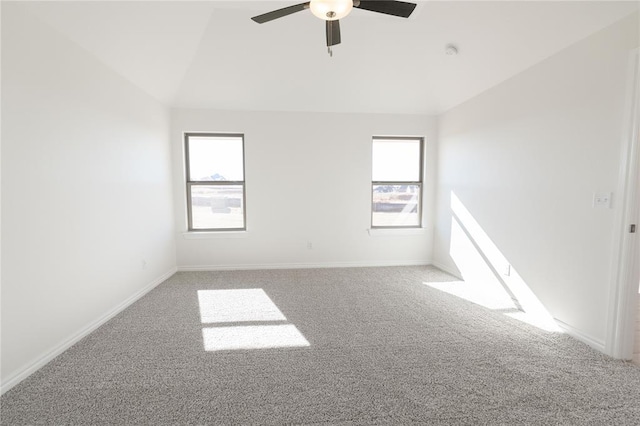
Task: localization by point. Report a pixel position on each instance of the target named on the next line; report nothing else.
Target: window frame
(190, 183)
(419, 183)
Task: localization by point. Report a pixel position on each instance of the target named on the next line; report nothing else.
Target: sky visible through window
(396, 160)
(209, 156)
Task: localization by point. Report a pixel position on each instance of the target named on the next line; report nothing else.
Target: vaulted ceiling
(209, 54)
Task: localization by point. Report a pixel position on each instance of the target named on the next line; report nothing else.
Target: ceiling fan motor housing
(331, 10)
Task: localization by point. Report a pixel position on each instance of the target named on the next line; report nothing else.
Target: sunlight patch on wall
(252, 337)
(483, 267)
(241, 305)
(480, 284)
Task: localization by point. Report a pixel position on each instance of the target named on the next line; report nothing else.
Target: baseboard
(31, 368)
(242, 267)
(448, 269)
(596, 344)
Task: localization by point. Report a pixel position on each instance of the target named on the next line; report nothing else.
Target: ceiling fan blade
(333, 33)
(270, 16)
(395, 8)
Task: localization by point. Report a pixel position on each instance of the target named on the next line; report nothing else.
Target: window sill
(208, 235)
(387, 232)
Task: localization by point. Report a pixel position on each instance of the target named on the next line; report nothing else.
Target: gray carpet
(383, 349)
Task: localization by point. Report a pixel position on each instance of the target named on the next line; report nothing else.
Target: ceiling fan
(332, 11)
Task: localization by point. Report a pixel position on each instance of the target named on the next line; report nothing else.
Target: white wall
(86, 188)
(525, 159)
(308, 179)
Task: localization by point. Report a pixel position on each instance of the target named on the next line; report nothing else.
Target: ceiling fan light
(331, 10)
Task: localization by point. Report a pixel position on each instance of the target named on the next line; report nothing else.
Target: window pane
(217, 158)
(217, 207)
(396, 160)
(396, 205)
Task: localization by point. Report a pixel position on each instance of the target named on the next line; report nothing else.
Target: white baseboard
(596, 344)
(448, 269)
(40, 362)
(245, 267)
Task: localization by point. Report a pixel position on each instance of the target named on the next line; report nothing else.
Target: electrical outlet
(602, 199)
(309, 245)
(507, 270)
(144, 264)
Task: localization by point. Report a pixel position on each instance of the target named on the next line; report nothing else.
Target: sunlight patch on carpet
(224, 309)
(486, 294)
(241, 305)
(252, 337)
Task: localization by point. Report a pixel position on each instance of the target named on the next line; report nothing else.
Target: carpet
(382, 348)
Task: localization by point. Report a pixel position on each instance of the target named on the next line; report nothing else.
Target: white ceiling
(209, 54)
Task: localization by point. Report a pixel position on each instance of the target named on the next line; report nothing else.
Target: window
(215, 182)
(396, 182)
